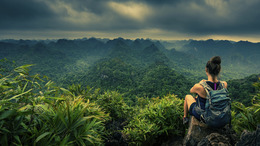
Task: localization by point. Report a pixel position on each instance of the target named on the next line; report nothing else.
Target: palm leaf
(42, 136)
(7, 114)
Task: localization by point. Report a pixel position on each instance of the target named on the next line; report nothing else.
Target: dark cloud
(209, 17)
(98, 7)
(28, 9)
(17, 14)
(200, 17)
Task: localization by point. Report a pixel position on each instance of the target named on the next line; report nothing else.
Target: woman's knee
(188, 96)
(189, 99)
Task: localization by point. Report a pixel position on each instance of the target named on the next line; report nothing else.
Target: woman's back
(201, 91)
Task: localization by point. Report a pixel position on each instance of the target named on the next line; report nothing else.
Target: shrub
(79, 90)
(247, 117)
(71, 121)
(18, 90)
(160, 118)
(33, 113)
(113, 103)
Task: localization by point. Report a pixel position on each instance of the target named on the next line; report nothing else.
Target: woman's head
(213, 66)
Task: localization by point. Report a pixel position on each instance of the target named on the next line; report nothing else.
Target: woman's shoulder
(196, 88)
(199, 86)
(225, 83)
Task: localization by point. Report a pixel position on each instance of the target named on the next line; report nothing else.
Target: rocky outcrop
(200, 134)
(250, 138)
(215, 139)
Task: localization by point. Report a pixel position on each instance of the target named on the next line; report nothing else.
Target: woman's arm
(195, 88)
(225, 83)
(198, 89)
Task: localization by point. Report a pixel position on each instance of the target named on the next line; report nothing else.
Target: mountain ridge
(73, 60)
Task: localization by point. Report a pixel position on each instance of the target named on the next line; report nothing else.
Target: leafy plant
(113, 103)
(71, 121)
(18, 90)
(34, 113)
(247, 117)
(160, 118)
(77, 89)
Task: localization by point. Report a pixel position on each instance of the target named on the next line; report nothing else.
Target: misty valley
(125, 91)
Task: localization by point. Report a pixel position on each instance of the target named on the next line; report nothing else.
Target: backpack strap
(207, 88)
(221, 85)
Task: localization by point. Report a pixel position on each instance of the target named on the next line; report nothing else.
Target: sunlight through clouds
(70, 15)
(221, 6)
(136, 11)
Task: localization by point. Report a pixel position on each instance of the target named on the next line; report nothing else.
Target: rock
(250, 138)
(214, 139)
(200, 133)
(173, 141)
(196, 132)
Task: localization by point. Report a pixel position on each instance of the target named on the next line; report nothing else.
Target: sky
(155, 19)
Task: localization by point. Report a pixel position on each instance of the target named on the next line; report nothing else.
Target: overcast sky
(155, 19)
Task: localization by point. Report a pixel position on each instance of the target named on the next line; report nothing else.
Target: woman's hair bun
(216, 60)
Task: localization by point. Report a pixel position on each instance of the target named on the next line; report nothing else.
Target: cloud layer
(200, 17)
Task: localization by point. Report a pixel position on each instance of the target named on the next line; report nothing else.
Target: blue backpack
(217, 111)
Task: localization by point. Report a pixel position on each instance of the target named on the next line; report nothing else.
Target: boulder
(200, 133)
(214, 139)
(250, 138)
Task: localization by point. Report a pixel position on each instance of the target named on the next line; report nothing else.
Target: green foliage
(243, 90)
(67, 61)
(160, 80)
(142, 101)
(157, 79)
(111, 74)
(247, 117)
(113, 103)
(71, 121)
(160, 118)
(6, 67)
(19, 91)
(34, 113)
(78, 90)
(239, 59)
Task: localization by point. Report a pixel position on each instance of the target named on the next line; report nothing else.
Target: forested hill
(243, 90)
(140, 67)
(242, 57)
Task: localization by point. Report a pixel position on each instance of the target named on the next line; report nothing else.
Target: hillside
(126, 92)
(40, 113)
(132, 66)
(243, 90)
(239, 59)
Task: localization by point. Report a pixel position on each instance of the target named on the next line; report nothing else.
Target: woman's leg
(187, 103)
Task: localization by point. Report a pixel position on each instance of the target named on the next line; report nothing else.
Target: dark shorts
(193, 112)
(191, 108)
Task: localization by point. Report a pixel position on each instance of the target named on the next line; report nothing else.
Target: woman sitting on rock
(212, 69)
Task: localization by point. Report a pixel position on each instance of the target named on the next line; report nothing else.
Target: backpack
(217, 111)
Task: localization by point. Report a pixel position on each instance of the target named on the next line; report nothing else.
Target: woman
(212, 69)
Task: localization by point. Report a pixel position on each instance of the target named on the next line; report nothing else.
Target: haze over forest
(56, 35)
(141, 67)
